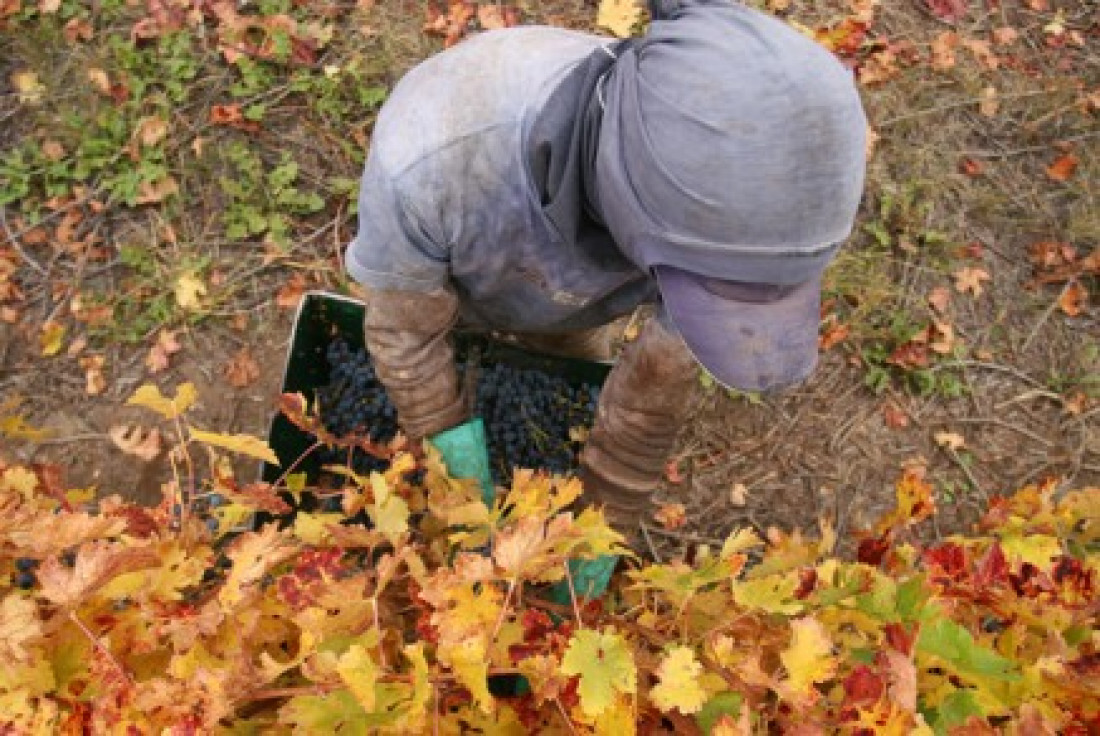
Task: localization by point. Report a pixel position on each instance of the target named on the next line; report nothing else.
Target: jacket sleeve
(408, 336)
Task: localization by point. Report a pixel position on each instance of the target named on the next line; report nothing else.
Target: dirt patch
(53, 393)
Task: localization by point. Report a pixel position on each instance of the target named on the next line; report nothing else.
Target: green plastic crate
(323, 317)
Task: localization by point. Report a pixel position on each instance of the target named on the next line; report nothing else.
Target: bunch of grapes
(354, 403)
(533, 419)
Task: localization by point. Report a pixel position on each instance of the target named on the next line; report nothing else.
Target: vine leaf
(605, 665)
(678, 682)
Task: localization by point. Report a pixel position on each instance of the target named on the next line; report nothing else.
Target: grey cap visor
(763, 265)
(749, 337)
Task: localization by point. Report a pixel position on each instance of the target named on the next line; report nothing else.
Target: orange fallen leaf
(969, 279)
(1074, 299)
(970, 166)
(292, 291)
(1063, 167)
(671, 515)
(894, 417)
(836, 333)
(242, 369)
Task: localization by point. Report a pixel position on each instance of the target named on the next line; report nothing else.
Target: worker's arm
(642, 407)
(408, 337)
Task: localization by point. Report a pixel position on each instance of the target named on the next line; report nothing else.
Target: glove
(466, 454)
(642, 407)
(407, 335)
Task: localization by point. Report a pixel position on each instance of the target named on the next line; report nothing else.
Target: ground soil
(822, 451)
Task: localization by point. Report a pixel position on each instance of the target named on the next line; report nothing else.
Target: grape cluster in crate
(533, 419)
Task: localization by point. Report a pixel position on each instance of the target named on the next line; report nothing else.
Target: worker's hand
(407, 334)
(465, 452)
(642, 407)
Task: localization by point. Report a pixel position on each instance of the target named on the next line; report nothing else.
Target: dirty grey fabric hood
(730, 145)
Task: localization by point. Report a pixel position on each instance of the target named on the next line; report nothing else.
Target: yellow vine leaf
(360, 673)
(678, 682)
(245, 444)
(469, 661)
(619, 16)
(809, 657)
(389, 512)
(774, 594)
(605, 665)
(150, 397)
(18, 480)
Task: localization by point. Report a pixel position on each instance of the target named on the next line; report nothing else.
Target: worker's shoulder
(475, 93)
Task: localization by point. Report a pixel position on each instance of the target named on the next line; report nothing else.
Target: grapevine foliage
(178, 619)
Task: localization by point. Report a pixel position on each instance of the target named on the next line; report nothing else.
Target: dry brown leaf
(871, 141)
(943, 50)
(99, 80)
(189, 291)
(1005, 36)
(880, 67)
(158, 191)
(53, 150)
(989, 103)
(48, 7)
(1074, 299)
(163, 349)
(491, 16)
(894, 417)
(151, 130)
(27, 87)
(862, 10)
(137, 441)
(78, 29)
(970, 279)
(739, 494)
(95, 382)
(942, 338)
(671, 515)
(1063, 167)
(242, 369)
(950, 440)
(939, 299)
(982, 52)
